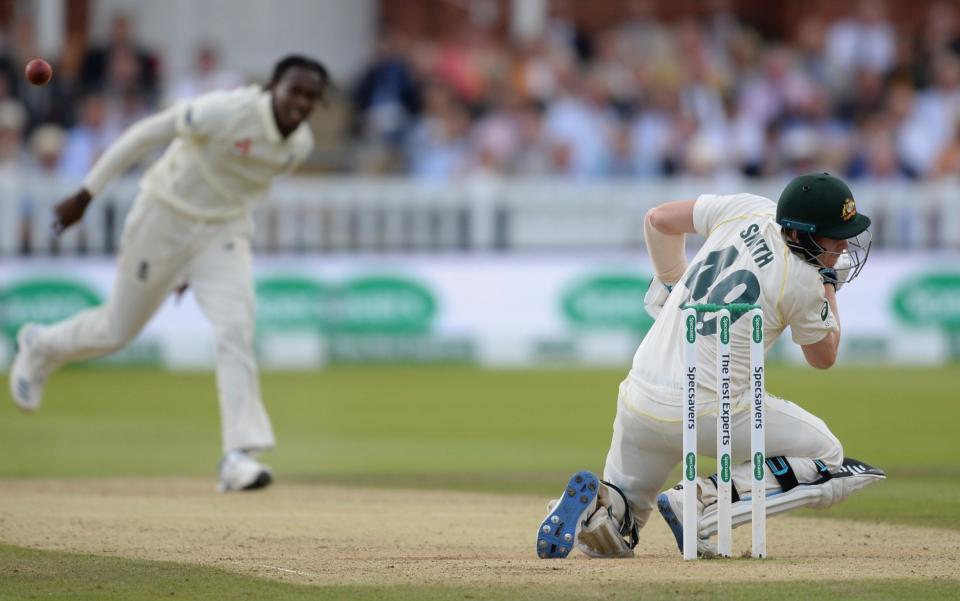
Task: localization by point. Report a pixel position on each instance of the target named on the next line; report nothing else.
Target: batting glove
(657, 294)
(829, 276)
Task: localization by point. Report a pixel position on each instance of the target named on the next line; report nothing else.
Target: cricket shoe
(670, 504)
(557, 533)
(240, 471)
(29, 371)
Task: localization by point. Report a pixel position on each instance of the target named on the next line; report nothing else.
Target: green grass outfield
(29, 574)
(443, 428)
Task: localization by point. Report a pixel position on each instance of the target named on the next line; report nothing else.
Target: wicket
(724, 463)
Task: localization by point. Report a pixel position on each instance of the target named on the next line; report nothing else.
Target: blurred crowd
(98, 90)
(708, 96)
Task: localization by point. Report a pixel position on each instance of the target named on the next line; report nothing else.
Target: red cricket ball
(38, 71)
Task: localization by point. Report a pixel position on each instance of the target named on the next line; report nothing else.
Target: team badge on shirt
(243, 147)
(824, 311)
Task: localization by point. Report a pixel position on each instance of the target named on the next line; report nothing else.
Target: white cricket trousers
(645, 448)
(160, 249)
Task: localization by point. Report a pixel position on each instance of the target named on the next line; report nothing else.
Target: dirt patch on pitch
(339, 535)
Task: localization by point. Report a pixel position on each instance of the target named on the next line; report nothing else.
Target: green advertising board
(43, 300)
(381, 305)
(290, 303)
(367, 305)
(932, 300)
(612, 301)
(372, 318)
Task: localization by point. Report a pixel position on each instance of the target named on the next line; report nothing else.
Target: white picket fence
(355, 214)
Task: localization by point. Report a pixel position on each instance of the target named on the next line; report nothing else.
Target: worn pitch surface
(322, 534)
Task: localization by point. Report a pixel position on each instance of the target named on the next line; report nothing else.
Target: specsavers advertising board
(495, 310)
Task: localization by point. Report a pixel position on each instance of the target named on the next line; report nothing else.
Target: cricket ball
(38, 71)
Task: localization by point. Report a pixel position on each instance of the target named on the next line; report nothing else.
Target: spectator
(938, 33)
(772, 94)
(720, 24)
(532, 154)
(615, 73)
(640, 98)
(878, 158)
(864, 41)
(439, 149)
(464, 64)
(580, 128)
(120, 63)
(387, 96)
(497, 134)
(537, 70)
(948, 161)
(933, 116)
(42, 186)
(46, 146)
(643, 35)
(652, 132)
(565, 34)
(208, 75)
(809, 42)
(13, 121)
(87, 140)
(42, 103)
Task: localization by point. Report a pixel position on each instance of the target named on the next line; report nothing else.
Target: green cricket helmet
(819, 204)
(822, 205)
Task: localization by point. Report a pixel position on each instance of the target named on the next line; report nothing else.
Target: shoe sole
(558, 531)
(20, 386)
(263, 480)
(670, 517)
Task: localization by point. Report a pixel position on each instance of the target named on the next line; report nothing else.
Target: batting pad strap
(783, 472)
(829, 489)
(599, 537)
(734, 494)
(741, 513)
(628, 529)
(823, 472)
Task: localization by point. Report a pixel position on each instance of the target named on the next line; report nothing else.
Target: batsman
(791, 258)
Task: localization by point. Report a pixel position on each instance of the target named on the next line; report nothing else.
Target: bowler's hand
(70, 210)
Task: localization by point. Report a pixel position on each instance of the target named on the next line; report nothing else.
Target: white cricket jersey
(226, 152)
(743, 260)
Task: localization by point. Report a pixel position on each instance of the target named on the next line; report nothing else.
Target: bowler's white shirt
(225, 149)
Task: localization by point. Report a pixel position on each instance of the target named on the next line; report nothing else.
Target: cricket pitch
(332, 535)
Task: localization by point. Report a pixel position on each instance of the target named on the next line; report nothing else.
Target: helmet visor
(852, 260)
(847, 262)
